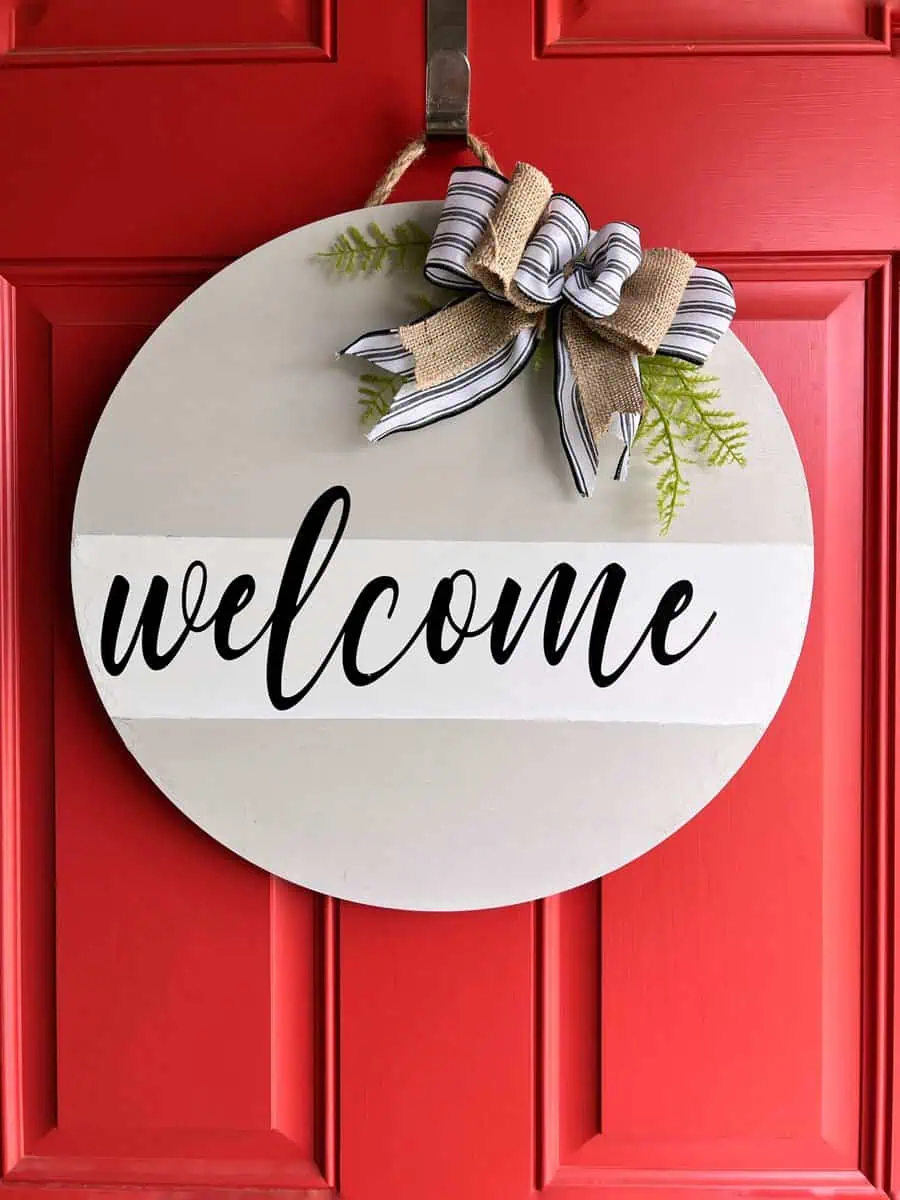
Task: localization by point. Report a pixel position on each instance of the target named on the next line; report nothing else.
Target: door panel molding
(41, 34)
(48, 1133)
(848, 1150)
(566, 29)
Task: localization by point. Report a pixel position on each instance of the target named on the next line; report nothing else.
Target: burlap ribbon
(528, 257)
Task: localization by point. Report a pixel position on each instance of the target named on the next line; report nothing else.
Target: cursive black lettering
(448, 622)
(291, 598)
(146, 629)
(440, 615)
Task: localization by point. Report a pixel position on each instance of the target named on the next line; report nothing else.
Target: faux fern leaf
(355, 253)
(542, 351)
(662, 449)
(681, 420)
(376, 394)
(423, 305)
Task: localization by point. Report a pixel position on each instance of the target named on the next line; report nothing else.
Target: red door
(716, 1018)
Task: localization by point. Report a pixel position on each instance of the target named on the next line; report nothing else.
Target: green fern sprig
(422, 305)
(681, 420)
(720, 436)
(352, 253)
(661, 446)
(376, 394)
(541, 355)
(376, 390)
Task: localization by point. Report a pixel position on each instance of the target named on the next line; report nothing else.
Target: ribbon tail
(460, 336)
(415, 407)
(628, 427)
(608, 380)
(575, 434)
(384, 348)
(627, 424)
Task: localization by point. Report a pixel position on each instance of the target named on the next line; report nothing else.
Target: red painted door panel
(716, 1018)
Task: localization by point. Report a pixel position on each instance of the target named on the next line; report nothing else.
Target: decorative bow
(528, 255)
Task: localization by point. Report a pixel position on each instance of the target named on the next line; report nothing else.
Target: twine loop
(410, 154)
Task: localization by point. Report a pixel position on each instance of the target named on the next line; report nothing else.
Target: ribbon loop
(525, 251)
(612, 256)
(648, 303)
(559, 239)
(472, 196)
(509, 229)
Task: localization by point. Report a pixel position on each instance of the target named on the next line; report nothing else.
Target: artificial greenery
(681, 425)
(541, 355)
(377, 389)
(353, 253)
(376, 393)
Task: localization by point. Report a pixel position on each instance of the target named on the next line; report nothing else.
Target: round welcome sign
(423, 674)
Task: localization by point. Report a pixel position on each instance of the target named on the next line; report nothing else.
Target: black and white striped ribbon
(706, 310)
(626, 425)
(562, 261)
(472, 196)
(559, 239)
(383, 348)
(414, 407)
(613, 255)
(575, 434)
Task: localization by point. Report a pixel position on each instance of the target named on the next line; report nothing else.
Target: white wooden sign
(385, 672)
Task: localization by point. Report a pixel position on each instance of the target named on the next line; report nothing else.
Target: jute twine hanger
(411, 153)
